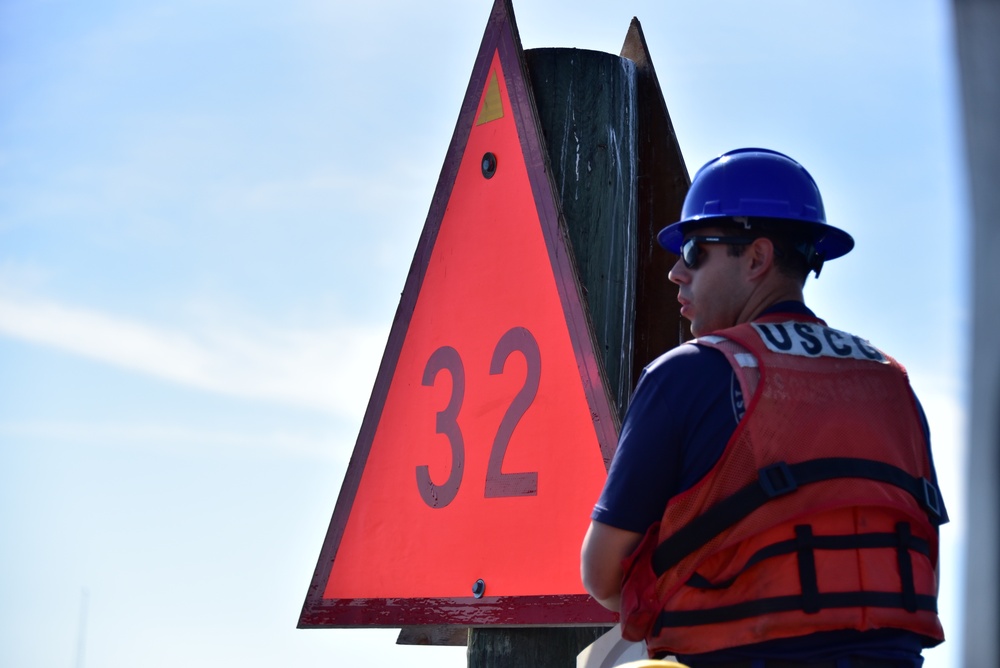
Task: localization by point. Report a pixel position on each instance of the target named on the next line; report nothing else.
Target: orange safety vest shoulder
(820, 515)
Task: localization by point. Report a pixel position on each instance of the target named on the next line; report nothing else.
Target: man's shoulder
(687, 358)
(691, 353)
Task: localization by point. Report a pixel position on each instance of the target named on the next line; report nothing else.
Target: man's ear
(760, 257)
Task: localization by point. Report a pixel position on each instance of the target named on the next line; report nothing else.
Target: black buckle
(777, 479)
(931, 500)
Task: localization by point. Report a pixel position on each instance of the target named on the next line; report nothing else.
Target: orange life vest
(819, 515)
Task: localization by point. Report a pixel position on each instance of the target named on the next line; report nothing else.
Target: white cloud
(330, 368)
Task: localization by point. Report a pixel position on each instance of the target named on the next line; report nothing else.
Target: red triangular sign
(487, 436)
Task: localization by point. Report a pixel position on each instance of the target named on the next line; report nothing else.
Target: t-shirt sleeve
(680, 417)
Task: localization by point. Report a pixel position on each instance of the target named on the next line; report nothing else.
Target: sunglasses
(691, 251)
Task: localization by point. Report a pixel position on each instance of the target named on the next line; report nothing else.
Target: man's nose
(679, 273)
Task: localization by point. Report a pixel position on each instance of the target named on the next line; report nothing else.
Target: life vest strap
(765, 606)
(780, 479)
(807, 569)
(905, 562)
(861, 541)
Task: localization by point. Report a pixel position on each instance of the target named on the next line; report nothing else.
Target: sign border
(501, 37)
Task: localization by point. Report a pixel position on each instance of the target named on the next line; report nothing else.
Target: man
(772, 501)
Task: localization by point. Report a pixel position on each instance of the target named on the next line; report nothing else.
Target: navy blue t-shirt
(683, 411)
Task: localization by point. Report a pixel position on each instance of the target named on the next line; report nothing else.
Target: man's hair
(792, 247)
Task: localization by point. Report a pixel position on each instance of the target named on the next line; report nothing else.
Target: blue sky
(207, 213)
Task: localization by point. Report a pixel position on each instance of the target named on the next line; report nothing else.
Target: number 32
(498, 483)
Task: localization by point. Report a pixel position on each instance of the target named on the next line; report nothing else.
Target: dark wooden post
(529, 647)
(586, 106)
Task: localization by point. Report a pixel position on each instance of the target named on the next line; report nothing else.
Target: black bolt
(479, 588)
(489, 165)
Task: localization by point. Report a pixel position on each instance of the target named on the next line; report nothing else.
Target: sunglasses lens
(689, 253)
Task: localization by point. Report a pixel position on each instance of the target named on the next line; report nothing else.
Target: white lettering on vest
(814, 340)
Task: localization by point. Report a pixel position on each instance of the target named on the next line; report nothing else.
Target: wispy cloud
(324, 368)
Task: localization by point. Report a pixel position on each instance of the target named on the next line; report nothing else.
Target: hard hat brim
(830, 242)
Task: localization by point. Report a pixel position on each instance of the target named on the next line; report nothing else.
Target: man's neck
(763, 299)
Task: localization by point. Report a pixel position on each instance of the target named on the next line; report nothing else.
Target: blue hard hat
(757, 183)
